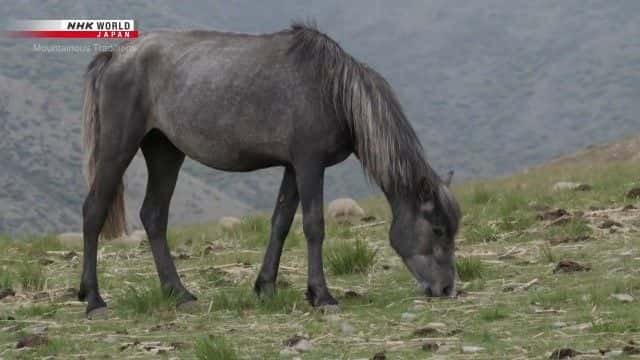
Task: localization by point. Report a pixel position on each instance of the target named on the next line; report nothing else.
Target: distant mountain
(491, 86)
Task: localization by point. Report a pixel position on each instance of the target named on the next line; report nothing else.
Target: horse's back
(231, 101)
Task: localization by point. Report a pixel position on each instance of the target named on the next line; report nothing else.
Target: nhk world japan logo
(73, 29)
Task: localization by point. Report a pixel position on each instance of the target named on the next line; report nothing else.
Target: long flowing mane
(385, 142)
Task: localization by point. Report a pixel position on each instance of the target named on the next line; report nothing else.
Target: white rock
(408, 317)
(70, 239)
(625, 298)
(344, 207)
(138, 235)
(566, 185)
(303, 345)
(436, 325)
(472, 349)
(559, 325)
(287, 352)
(229, 222)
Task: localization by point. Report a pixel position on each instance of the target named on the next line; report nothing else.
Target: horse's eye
(438, 231)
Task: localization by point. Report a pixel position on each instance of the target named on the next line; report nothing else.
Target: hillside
(491, 87)
(541, 272)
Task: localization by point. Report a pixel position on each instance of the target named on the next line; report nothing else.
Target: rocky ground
(546, 271)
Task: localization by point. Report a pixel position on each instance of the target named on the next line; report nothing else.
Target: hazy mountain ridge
(490, 87)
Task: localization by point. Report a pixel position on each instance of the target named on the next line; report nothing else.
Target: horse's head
(422, 233)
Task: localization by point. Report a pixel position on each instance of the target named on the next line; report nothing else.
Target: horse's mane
(385, 142)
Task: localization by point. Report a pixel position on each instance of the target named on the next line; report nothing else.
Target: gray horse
(239, 102)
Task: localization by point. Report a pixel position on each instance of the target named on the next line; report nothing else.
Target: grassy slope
(501, 246)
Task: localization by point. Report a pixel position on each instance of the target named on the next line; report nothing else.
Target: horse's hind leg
(163, 164)
(281, 220)
(117, 149)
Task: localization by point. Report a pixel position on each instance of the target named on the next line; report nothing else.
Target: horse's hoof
(189, 307)
(329, 309)
(265, 289)
(100, 313)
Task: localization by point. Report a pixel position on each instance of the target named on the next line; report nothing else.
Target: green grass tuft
(145, 301)
(214, 348)
(492, 314)
(470, 268)
(546, 253)
(30, 277)
(481, 233)
(350, 257)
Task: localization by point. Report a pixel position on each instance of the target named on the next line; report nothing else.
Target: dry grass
(505, 265)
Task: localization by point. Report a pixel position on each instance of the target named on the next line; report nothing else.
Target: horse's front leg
(310, 187)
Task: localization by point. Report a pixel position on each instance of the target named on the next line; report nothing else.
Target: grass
(481, 233)
(214, 348)
(30, 276)
(492, 314)
(470, 268)
(47, 310)
(5, 279)
(350, 257)
(145, 300)
(234, 323)
(546, 253)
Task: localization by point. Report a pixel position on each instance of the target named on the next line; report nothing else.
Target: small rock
(229, 222)
(631, 349)
(418, 308)
(350, 294)
(572, 186)
(70, 255)
(32, 341)
(71, 239)
(579, 327)
(408, 317)
(625, 298)
(560, 221)
(608, 224)
(468, 349)
(138, 236)
(552, 214)
(303, 345)
(45, 262)
(613, 353)
(425, 332)
(37, 329)
(559, 325)
(634, 193)
(629, 207)
(344, 207)
(563, 354)
(568, 266)
(5, 292)
(292, 341)
(288, 352)
(379, 356)
(569, 239)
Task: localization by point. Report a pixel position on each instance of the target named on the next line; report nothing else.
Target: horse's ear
(448, 178)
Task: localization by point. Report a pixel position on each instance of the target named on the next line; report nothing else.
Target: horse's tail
(115, 224)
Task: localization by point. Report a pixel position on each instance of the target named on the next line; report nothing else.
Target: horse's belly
(229, 152)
